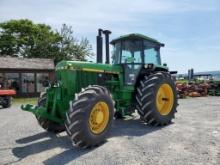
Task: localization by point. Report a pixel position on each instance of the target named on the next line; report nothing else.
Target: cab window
(116, 53)
(151, 53)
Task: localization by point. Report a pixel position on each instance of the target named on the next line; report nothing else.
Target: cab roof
(136, 36)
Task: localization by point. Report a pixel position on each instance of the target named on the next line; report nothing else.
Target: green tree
(24, 38)
(71, 48)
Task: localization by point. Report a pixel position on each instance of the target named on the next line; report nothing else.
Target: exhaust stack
(99, 44)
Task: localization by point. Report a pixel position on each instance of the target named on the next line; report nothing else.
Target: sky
(189, 29)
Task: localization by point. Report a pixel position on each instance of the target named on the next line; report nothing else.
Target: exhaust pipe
(99, 44)
(107, 33)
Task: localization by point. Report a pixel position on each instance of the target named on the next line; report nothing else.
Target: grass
(25, 101)
(182, 81)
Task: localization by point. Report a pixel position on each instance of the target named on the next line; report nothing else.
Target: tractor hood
(88, 67)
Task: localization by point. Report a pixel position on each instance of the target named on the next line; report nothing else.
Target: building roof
(26, 63)
(136, 36)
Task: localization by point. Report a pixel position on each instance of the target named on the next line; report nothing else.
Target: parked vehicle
(87, 95)
(6, 97)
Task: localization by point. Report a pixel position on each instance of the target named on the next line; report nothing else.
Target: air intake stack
(107, 33)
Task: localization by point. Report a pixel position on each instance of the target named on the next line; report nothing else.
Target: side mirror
(164, 64)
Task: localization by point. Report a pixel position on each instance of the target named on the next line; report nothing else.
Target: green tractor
(87, 96)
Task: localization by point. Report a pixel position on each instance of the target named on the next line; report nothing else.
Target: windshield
(130, 52)
(136, 52)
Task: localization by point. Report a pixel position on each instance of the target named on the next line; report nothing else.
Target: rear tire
(90, 117)
(46, 124)
(156, 99)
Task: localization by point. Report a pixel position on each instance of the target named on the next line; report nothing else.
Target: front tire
(156, 99)
(90, 117)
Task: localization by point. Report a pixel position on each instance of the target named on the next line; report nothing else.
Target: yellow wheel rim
(99, 117)
(165, 99)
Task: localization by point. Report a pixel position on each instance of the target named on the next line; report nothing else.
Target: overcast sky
(189, 29)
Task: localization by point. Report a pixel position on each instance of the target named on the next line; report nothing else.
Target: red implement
(7, 92)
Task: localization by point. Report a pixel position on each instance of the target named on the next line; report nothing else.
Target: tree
(71, 48)
(26, 39)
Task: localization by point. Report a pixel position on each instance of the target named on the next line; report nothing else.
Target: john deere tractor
(86, 96)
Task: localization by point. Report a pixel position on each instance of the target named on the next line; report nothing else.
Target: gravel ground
(192, 138)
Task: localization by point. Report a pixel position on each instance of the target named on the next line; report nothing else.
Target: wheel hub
(165, 99)
(99, 117)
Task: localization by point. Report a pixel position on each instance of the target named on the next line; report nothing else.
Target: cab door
(131, 60)
(130, 73)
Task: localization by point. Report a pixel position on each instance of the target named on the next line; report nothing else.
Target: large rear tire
(46, 124)
(156, 99)
(90, 116)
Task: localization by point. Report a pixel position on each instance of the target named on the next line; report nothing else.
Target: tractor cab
(134, 51)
